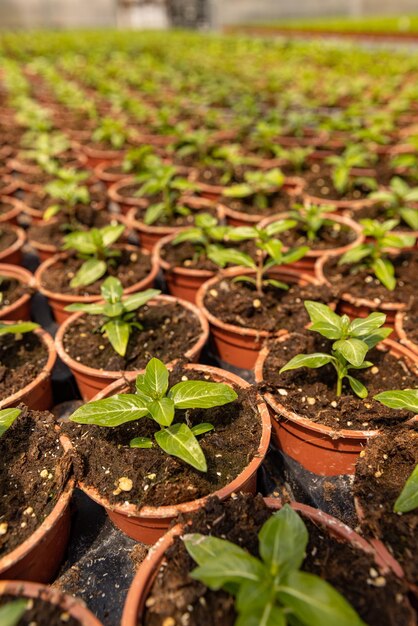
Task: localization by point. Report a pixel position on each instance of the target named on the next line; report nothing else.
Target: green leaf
(276, 283)
(7, 417)
(81, 241)
(410, 217)
(283, 540)
(51, 211)
(408, 498)
(12, 612)
(153, 213)
(402, 399)
(111, 412)
(191, 234)
(118, 333)
(96, 308)
(238, 191)
(113, 310)
(225, 256)
(353, 350)
(280, 227)
(398, 240)
(19, 328)
(201, 429)
(316, 603)
(155, 380)
(313, 361)
(136, 300)
(324, 320)
(385, 273)
(294, 255)
(162, 411)
(358, 387)
(242, 233)
(198, 394)
(111, 233)
(179, 441)
(273, 249)
(355, 254)
(89, 272)
(111, 289)
(363, 326)
(141, 442)
(267, 615)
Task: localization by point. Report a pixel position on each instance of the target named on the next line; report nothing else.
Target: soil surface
(7, 237)
(130, 268)
(410, 322)
(310, 393)
(331, 235)
(320, 184)
(360, 282)
(380, 214)
(33, 475)
(52, 233)
(237, 303)
(175, 595)
(380, 477)
(22, 358)
(278, 202)
(188, 255)
(103, 455)
(170, 330)
(41, 613)
(11, 290)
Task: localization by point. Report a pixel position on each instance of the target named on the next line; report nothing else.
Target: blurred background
(191, 13)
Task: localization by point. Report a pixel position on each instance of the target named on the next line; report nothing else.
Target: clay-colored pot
(318, 448)
(20, 309)
(15, 210)
(97, 156)
(91, 381)
(13, 254)
(402, 336)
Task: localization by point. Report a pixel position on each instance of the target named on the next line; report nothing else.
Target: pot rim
(15, 211)
(403, 337)
(339, 204)
(111, 374)
(176, 269)
(22, 275)
(17, 245)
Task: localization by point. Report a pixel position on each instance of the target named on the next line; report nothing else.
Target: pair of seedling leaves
(259, 186)
(396, 198)
(343, 179)
(271, 590)
(154, 399)
(68, 190)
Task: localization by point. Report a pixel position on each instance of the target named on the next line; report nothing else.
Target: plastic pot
(91, 381)
(307, 263)
(319, 448)
(58, 301)
(37, 395)
(235, 345)
(148, 524)
(135, 604)
(20, 309)
(402, 336)
(74, 607)
(39, 557)
(13, 254)
(16, 207)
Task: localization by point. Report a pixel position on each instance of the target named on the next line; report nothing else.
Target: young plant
(396, 200)
(113, 132)
(164, 181)
(228, 159)
(352, 339)
(311, 218)
(342, 165)
(205, 232)
(259, 186)
(44, 147)
(269, 253)
(296, 157)
(153, 399)
(94, 246)
(118, 312)
(404, 399)
(374, 253)
(270, 590)
(140, 159)
(66, 188)
(12, 612)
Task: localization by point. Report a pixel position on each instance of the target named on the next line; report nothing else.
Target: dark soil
(41, 613)
(380, 476)
(237, 303)
(410, 323)
(310, 392)
(361, 283)
(331, 235)
(33, 475)
(175, 595)
(22, 358)
(131, 267)
(321, 186)
(187, 255)
(52, 233)
(169, 331)
(7, 237)
(278, 202)
(11, 290)
(103, 455)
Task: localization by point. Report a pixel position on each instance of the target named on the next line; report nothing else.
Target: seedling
(153, 399)
(259, 186)
(311, 218)
(165, 181)
(203, 234)
(271, 590)
(113, 132)
(296, 157)
(354, 156)
(374, 253)
(396, 200)
(404, 399)
(118, 312)
(12, 612)
(94, 245)
(352, 339)
(269, 253)
(44, 147)
(140, 159)
(67, 189)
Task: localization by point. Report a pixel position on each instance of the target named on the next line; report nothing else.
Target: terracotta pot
(10, 185)
(293, 187)
(69, 604)
(235, 345)
(342, 204)
(11, 215)
(90, 381)
(20, 309)
(149, 523)
(359, 307)
(125, 203)
(307, 263)
(13, 254)
(97, 156)
(39, 557)
(37, 395)
(402, 336)
(149, 236)
(319, 448)
(58, 301)
(109, 178)
(182, 282)
(133, 612)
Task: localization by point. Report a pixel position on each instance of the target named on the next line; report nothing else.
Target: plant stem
(339, 386)
(259, 274)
